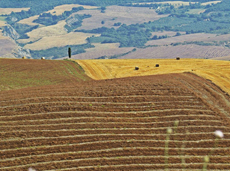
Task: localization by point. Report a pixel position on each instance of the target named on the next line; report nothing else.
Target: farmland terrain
(116, 124)
(216, 71)
(115, 29)
(18, 73)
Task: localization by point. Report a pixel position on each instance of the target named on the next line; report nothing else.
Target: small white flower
(219, 134)
(31, 169)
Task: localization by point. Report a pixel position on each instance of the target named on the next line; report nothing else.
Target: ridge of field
(117, 124)
(19, 73)
(4, 11)
(179, 3)
(216, 71)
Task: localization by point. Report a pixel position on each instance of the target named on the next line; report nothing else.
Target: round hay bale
(157, 65)
(178, 58)
(23, 57)
(42, 58)
(136, 68)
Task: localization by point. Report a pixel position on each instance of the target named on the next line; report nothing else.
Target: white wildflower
(219, 134)
(31, 169)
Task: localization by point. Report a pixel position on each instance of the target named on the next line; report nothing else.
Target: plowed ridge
(115, 124)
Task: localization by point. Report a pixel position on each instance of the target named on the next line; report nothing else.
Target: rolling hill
(116, 29)
(77, 123)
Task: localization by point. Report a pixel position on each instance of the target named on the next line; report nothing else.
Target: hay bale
(178, 58)
(23, 57)
(42, 58)
(136, 68)
(157, 65)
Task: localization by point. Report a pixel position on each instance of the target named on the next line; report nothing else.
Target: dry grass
(179, 3)
(6, 46)
(114, 14)
(58, 10)
(186, 37)
(184, 51)
(53, 30)
(73, 38)
(217, 71)
(107, 49)
(211, 2)
(9, 10)
(29, 20)
(196, 11)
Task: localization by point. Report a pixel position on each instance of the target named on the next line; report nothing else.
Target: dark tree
(69, 52)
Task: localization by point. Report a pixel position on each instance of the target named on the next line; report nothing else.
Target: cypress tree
(69, 52)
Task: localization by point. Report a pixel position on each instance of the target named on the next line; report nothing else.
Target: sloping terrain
(217, 71)
(117, 124)
(18, 73)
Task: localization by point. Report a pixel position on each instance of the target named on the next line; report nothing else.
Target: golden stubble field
(216, 71)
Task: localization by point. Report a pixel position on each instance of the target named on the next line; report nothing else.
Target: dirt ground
(115, 124)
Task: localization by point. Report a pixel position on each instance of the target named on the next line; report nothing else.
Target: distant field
(2, 19)
(19, 73)
(107, 49)
(217, 71)
(6, 47)
(196, 11)
(29, 20)
(53, 30)
(73, 38)
(187, 37)
(179, 3)
(58, 10)
(9, 10)
(115, 14)
(184, 51)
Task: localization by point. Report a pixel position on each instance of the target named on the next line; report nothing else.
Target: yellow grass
(9, 10)
(53, 30)
(2, 23)
(29, 20)
(211, 2)
(73, 38)
(58, 10)
(217, 71)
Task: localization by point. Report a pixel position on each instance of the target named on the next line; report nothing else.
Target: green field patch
(2, 18)
(20, 73)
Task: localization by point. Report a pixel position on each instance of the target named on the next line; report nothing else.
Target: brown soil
(117, 124)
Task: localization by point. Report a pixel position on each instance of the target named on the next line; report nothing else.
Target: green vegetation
(192, 18)
(2, 18)
(49, 19)
(58, 52)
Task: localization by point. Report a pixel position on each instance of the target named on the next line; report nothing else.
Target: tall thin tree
(69, 52)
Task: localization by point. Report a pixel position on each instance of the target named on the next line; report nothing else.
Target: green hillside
(19, 73)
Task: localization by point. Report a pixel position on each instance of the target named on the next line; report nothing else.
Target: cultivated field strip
(115, 124)
(17, 73)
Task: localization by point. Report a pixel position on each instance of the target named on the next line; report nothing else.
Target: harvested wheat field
(117, 124)
(217, 71)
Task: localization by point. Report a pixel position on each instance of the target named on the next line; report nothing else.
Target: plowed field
(117, 124)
